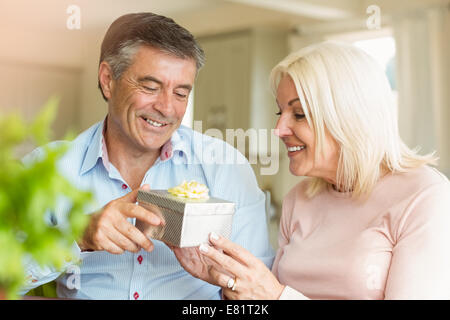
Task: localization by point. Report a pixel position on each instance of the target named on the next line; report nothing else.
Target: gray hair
(129, 32)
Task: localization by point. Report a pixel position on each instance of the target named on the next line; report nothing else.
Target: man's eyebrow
(292, 101)
(149, 78)
(153, 79)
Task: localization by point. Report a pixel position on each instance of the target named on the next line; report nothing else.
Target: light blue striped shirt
(189, 155)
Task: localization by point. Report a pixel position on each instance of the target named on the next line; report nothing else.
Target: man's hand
(196, 263)
(110, 230)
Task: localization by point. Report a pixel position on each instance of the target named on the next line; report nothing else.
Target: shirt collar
(97, 149)
(175, 147)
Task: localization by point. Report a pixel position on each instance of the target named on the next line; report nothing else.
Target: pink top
(395, 245)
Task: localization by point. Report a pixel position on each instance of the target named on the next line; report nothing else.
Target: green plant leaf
(28, 194)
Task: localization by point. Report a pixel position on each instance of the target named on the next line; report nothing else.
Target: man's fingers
(138, 212)
(123, 241)
(134, 235)
(111, 247)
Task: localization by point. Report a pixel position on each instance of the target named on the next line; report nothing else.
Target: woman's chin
(296, 171)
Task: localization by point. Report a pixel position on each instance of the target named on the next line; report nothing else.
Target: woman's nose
(282, 129)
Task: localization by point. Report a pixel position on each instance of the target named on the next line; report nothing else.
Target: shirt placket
(140, 259)
(140, 266)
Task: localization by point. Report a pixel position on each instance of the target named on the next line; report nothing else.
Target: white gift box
(187, 222)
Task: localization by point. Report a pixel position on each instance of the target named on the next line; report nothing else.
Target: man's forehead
(150, 64)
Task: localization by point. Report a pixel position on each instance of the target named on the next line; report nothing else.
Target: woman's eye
(299, 116)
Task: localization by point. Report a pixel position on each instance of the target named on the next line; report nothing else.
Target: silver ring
(234, 286)
(230, 283)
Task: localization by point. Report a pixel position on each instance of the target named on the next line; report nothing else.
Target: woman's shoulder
(401, 189)
(418, 179)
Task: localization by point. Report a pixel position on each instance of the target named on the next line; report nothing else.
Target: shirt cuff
(291, 294)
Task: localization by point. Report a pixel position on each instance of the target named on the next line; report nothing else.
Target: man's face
(148, 102)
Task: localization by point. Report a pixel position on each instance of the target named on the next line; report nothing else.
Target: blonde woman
(371, 221)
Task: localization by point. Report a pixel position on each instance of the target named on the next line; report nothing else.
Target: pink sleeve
(291, 294)
(420, 265)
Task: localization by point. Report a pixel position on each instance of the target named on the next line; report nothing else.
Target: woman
(371, 221)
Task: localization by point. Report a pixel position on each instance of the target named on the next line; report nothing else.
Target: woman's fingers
(233, 250)
(222, 280)
(226, 262)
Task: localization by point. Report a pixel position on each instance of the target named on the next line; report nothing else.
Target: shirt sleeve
(420, 265)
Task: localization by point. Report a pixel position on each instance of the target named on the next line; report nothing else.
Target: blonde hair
(344, 91)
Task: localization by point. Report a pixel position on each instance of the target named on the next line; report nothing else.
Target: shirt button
(124, 186)
(139, 259)
(136, 295)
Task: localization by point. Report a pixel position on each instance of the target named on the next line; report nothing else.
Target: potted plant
(27, 194)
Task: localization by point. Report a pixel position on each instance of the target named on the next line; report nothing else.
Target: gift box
(186, 222)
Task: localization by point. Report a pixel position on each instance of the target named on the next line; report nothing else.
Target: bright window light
(383, 51)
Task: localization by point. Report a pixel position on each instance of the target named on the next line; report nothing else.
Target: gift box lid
(162, 198)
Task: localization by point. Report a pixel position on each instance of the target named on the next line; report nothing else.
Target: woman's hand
(253, 280)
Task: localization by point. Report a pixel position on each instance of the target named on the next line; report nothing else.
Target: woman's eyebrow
(292, 101)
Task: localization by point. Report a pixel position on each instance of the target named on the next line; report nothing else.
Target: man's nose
(164, 103)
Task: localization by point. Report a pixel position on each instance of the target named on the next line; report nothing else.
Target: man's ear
(105, 78)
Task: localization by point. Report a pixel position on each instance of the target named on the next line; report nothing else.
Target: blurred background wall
(43, 51)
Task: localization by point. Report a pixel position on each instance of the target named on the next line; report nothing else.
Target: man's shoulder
(74, 147)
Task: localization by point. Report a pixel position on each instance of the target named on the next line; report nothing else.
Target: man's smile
(154, 123)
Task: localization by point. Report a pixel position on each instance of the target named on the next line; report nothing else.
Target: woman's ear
(105, 78)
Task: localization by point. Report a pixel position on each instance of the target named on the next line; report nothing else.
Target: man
(147, 69)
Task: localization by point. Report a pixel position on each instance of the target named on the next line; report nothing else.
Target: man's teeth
(154, 123)
(296, 148)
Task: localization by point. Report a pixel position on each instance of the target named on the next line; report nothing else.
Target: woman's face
(299, 137)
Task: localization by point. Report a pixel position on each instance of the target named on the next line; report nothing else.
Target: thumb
(130, 196)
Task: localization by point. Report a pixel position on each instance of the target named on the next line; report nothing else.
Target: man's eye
(278, 113)
(181, 95)
(150, 89)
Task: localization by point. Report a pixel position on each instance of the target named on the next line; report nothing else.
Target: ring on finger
(234, 285)
(231, 283)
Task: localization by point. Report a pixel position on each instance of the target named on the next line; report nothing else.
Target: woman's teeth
(296, 148)
(154, 123)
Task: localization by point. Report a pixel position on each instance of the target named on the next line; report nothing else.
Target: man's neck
(131, 162)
